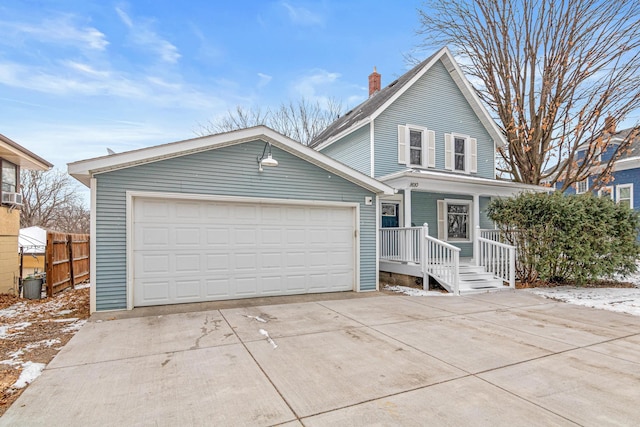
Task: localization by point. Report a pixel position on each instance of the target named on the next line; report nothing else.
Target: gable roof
(17, 154)
(377, 103)
(84, 170)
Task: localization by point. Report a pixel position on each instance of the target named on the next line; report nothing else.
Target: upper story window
(582, 186)
(461, 153)
(624, 195)
(9, 177)
(416, 146)
(606, 192)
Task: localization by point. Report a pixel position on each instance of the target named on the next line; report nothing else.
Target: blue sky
(78, 76)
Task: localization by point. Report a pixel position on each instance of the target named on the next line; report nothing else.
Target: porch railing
(441, 260)
(496, 258)
(401, 244)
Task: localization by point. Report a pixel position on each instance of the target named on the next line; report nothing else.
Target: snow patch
(75, 326)
(4, 330)
(621, 300)
(413, 292)
(269, 340)
(256, 318)
(30, 371)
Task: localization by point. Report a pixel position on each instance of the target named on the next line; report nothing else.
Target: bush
(568, 237)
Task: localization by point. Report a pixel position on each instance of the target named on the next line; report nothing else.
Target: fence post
(424, 248)
(70, 252)
(512, 267)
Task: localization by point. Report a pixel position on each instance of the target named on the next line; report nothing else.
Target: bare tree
(300, 120)
(51, 200)
(557, 75)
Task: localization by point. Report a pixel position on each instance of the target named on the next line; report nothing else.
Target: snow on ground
(622, 300)
(413, 292)
(30, 371)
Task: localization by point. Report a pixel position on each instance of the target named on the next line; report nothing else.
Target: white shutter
(402, 145)
(473, 155)
(431, 149)
(442, 219)
(448, 151)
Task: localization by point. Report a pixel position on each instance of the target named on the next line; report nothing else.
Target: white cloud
(309, 85)
(143, 35)
(264, 79)
(302, 16)
(57, 30)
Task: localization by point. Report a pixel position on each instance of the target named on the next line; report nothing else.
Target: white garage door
(188, 251)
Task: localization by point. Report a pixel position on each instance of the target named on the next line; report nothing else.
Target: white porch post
(407, 207)
(476, 227)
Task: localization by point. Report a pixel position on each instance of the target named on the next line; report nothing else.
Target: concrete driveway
(508, 358)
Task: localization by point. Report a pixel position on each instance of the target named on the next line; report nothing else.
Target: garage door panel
(188, 263)
(217, 288)
(187, 289)
(217, 236)
(187, 251)
(245, 236)
(246, 285)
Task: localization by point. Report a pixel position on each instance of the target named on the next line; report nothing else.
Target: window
(459, 148)
(461, 153)
(9, 177)
(454, 220)
(582, 186)
(624, 195)
(389, 209)
(457, 222)
(606, 192)
(416, 146)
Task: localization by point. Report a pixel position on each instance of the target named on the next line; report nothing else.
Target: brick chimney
(374, 82)
(610, 125)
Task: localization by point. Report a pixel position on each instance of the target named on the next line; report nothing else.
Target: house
(14, 158)
(429, 137)
(248, 213)
(624, 187)
(32, 245)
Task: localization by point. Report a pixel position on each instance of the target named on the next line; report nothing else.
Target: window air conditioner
(12, 198)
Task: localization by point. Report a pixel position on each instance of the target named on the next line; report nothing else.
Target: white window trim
(443, 212)
(427, 146)
(630, 187)
(609, 188)
(470, 153)
(586, 186)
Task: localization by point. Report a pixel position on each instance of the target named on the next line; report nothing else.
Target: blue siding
(354, 150)
(231, 171)
(629, 176)
(435, 102)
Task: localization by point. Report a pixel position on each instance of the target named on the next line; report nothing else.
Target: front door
(390, 214)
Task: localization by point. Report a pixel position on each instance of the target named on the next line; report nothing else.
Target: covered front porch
(437, 227)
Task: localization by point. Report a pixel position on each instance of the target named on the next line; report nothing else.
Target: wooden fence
(66, 261)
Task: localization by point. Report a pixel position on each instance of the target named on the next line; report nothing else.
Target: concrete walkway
(508, 358)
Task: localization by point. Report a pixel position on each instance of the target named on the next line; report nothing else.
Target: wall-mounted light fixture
(266, 161)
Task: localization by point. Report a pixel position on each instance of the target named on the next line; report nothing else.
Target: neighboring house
(624, 187)
(428, 136)
(13, 158)
(32, 244)
(211, 218)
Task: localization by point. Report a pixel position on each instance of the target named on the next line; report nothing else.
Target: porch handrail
(400, 244)
(441, 260)
(497, 258)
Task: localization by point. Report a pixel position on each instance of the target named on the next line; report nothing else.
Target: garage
(203, 250)
(242, 214)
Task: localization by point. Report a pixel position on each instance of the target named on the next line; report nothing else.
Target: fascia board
(86, 169)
